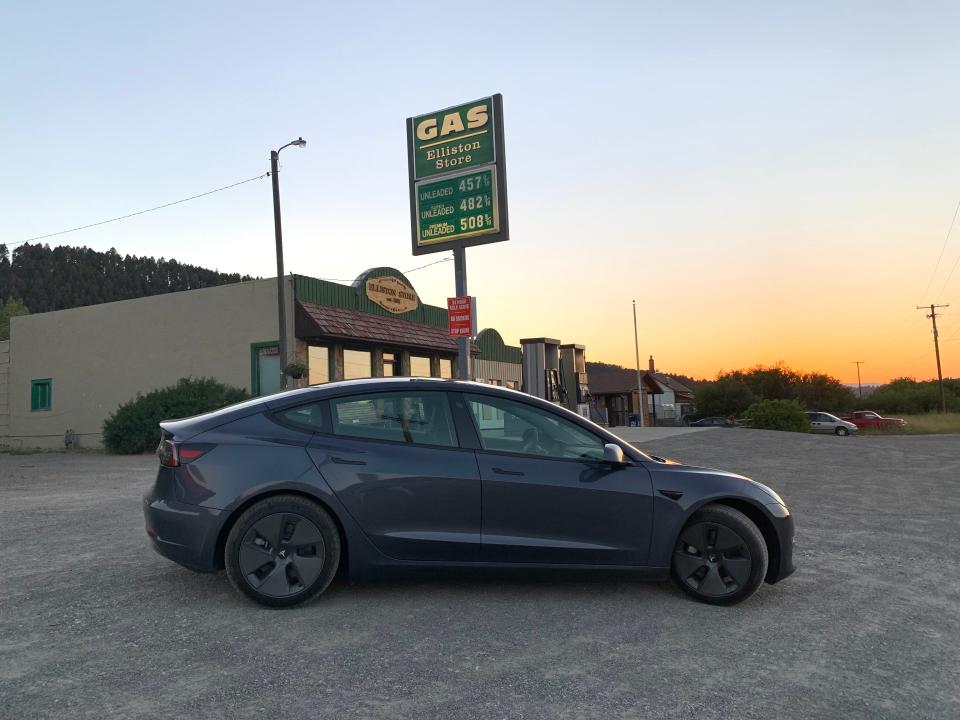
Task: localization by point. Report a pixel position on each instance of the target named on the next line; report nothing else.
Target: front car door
(816, 422)
(394, 461)
(547, 495)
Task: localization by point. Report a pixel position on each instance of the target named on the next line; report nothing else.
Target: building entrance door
(267, 371)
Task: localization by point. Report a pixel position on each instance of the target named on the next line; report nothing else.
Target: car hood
(720, 480)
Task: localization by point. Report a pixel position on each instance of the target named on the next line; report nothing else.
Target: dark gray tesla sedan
(392, 474)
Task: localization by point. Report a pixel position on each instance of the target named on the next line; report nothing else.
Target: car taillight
(173, 455)
(189, 453)
(167, 452)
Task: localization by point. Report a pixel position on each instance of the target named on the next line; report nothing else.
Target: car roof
(290, 398)
(350, 387)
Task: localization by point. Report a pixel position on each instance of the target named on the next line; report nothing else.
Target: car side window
(312, 416)
(509, 426)
(422, 418)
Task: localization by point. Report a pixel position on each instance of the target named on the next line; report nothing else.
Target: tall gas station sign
(457, 173)
(458, 188)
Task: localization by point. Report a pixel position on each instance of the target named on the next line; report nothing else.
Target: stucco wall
(4, 386)
(494, 370)
(102, 355)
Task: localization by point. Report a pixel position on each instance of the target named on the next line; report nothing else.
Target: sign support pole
(463, 343)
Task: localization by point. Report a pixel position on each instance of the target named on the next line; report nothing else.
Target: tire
(842, 431)
(282, 551)
(720, 556)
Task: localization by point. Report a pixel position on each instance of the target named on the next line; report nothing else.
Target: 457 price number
(474, 182)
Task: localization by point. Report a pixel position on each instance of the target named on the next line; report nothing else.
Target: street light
(281, 295)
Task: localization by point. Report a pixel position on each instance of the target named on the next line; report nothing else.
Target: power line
(949, 275)
(435, 262)
(944, 247)
(139, 212)
(405, 272)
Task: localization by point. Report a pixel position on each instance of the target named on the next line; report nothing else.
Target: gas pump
(573, 372)
(557, 373)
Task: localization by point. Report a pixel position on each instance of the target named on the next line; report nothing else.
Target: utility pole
(858, 363)
(278, 237)
(936, 348)
(636, 347)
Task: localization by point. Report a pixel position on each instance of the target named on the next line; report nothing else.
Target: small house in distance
(666, 400)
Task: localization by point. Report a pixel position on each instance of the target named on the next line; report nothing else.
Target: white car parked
(821, 422)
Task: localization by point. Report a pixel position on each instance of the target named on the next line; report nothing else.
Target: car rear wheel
(720, 556)
(841, 431)
(282, 551)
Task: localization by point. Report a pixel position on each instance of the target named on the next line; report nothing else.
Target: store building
(68, 370)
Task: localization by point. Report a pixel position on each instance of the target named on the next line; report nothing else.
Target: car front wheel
(842, 431)
(282, 551)
(720, 556)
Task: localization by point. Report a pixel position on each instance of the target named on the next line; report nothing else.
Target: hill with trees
(38, 278)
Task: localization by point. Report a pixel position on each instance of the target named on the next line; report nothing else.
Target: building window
(446, 368)
(41, 394)
(512, 384)
(357, 364)
(419, 366)
(318, 364)
(390, 364)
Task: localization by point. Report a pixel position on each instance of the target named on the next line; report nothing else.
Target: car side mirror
(613, 454)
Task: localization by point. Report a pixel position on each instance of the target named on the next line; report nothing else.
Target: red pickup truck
(869, 419)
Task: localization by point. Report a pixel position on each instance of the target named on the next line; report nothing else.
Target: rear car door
(547, 495)
(394, 461)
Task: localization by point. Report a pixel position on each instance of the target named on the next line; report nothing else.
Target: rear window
(422, 418)
(312, 416)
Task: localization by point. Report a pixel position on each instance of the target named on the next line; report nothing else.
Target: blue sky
(770, 182)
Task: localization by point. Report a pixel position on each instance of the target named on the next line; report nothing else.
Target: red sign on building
(461, 318)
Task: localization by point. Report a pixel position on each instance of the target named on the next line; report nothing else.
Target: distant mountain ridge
(46, 278)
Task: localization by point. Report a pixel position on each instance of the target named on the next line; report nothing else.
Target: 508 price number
(476, 222)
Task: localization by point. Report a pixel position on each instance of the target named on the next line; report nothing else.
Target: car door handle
(344, 461)
(501, 471)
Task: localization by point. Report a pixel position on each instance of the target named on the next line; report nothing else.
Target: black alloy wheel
(720, 556)
(842, 431)
(282, 551)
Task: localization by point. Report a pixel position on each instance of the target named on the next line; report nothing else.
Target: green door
(266, 370)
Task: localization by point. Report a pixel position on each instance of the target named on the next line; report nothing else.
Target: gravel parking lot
(93, 624)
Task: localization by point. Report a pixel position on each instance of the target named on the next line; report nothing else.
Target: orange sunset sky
(769, 183)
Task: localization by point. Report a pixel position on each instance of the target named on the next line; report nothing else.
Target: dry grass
(930, 424)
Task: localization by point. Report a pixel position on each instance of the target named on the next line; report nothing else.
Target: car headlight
(769, 492)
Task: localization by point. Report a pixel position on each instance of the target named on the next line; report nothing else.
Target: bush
(733, 392)
(778, 415)
(132, 428)
(726, 397)
(906, 395)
